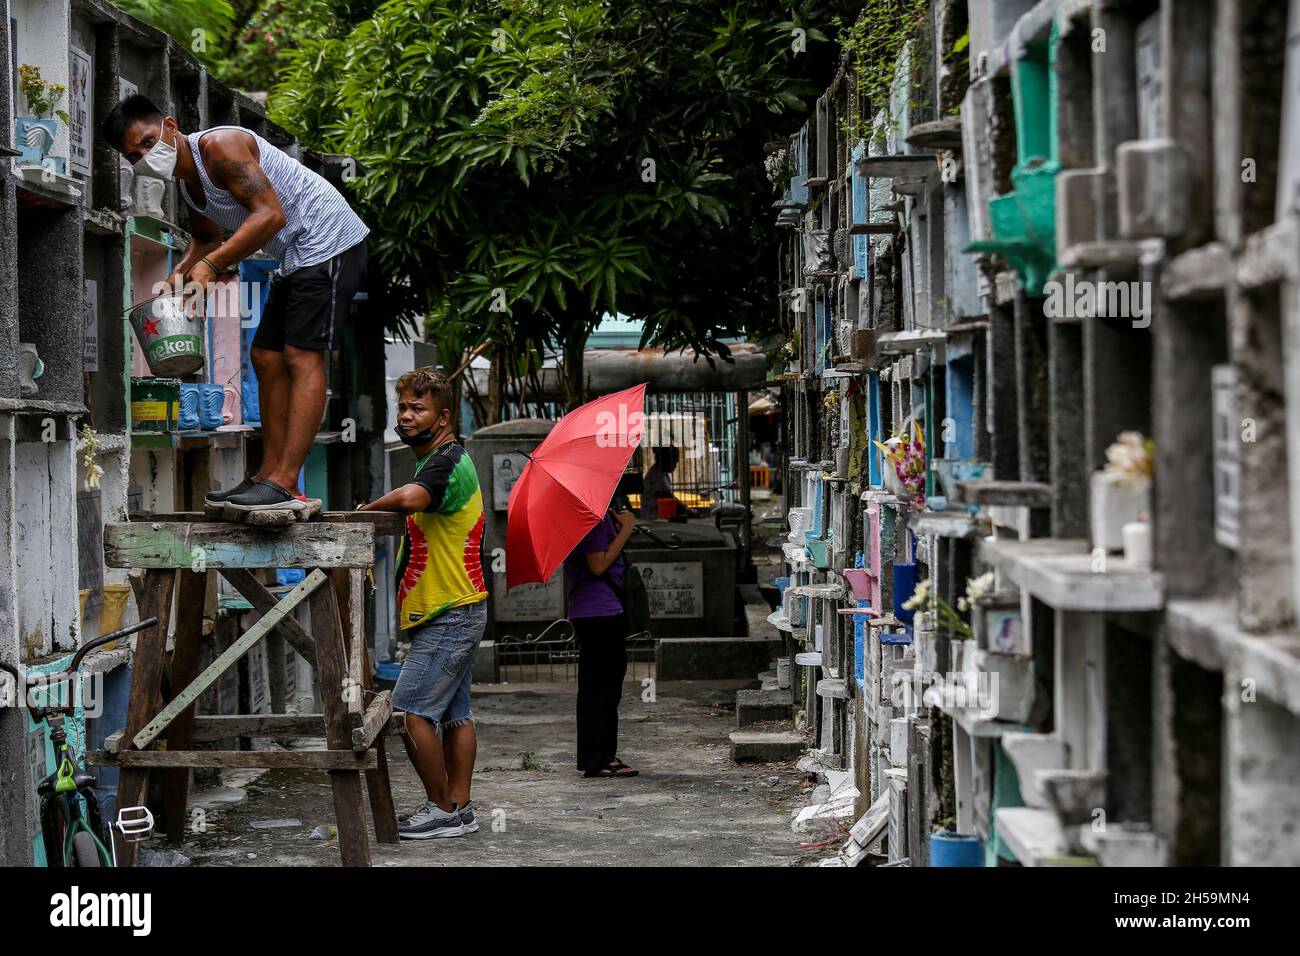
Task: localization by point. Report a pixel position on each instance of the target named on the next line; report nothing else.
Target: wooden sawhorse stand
(177, 552)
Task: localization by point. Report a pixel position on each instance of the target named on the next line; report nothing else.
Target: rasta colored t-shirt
(440, 564)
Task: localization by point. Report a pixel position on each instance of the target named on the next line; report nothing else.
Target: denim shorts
(438, 670)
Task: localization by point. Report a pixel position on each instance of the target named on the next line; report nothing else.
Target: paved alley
(690, 806)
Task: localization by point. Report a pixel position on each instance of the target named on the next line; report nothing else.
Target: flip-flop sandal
(602, 772)
(620, 769)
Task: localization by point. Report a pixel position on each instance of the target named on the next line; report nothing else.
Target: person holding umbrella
(559, 511)
(595, 570)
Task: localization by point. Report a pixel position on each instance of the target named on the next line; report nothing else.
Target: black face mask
(418, 440)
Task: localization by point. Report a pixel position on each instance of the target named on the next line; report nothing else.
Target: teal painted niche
(1023, 222)
(315, 475)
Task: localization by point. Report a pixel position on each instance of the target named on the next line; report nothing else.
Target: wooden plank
(215, 545)
(385, 523)
(255, 592)
(146, 693)
(233, 653)
(337, 760)
(350, 594)
(356, 631)
(374, 722)
(331, 666)
(191, 594)
(289, 726)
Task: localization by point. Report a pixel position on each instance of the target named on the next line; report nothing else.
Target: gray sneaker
(467, 817)
(430, 822)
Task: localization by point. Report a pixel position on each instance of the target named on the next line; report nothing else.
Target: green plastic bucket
(155, 403)
(171, 339)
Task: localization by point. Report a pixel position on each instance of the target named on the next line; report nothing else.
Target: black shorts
(307, 307)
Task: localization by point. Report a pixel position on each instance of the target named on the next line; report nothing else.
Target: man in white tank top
(245, 195)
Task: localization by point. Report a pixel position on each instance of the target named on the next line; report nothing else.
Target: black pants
(602, 665)
(308, 307)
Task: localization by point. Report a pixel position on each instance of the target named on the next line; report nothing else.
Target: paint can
(155, 404)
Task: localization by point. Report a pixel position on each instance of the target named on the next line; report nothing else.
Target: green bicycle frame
(70, 802)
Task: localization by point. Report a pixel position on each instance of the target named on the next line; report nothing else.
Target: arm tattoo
(244, 178)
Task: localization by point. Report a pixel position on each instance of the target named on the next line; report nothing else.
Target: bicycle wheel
(54, 829)
(94, 817)
(84, 850)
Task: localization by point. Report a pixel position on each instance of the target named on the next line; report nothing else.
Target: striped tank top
(318, 222)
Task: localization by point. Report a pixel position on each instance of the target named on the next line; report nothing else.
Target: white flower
(976, 588)
(93, 473)
(1128, 459)
(920, 598)
(962, 604)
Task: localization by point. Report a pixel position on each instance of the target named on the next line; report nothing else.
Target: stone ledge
(1059, 573)
(1200, 273)
(1034, 836)
(1205, 632)
(1013, 494)
(949, 524)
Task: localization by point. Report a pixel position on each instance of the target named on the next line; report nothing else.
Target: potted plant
(1121, 492)
(778, 168)
(34, 134)
(904, 465)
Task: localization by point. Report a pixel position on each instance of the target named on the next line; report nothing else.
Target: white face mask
(159, 162)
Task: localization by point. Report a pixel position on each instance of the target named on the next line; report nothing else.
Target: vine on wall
(874, 43)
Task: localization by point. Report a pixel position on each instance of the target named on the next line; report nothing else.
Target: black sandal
(615, 768)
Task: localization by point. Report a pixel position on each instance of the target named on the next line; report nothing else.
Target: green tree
(528, 165)
(188, 21)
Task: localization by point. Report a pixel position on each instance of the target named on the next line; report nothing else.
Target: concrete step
(765, 747)
(753, 706)
(767, 675)
(770, 684)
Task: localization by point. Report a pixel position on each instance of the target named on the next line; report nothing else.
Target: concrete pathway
(690, 806)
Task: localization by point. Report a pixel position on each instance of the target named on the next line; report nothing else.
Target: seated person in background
(658, 484)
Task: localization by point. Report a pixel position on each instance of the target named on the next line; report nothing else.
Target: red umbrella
(567, 485)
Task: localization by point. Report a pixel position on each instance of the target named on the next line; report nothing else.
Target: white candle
(1137, 544)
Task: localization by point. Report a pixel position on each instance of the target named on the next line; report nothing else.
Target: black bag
(632, 595)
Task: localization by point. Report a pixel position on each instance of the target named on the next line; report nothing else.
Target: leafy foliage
(186, 21)
(564, 158)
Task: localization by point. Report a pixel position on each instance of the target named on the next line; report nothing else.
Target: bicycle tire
(85, 853)
(95, 817)
(53, 830)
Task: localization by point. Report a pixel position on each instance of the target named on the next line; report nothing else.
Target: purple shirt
(589, 596)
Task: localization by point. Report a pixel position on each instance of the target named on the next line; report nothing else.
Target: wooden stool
(177, 552)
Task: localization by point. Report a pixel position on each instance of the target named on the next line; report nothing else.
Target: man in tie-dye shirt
(441, 605)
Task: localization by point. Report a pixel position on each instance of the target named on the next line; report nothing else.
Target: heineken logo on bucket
(172, 340)
(180, 345)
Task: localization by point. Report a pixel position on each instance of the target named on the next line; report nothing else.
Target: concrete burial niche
(50, 294)
(497, 453)
(692, 589)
